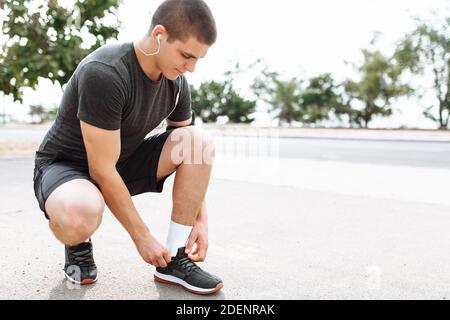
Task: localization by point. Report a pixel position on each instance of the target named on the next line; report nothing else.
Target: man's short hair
(185, 18)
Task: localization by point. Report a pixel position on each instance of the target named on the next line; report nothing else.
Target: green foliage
(45, 40)
(282, 96)
(320, 98)
(378, 86)
(207, 100)
(238, 109)
(293, 101)
(40, 115)
(427, 49)
(213, 99)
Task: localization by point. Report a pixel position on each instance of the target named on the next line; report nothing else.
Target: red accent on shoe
(88, 281)
(217, 288)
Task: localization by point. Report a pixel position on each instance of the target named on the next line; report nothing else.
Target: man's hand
(152, 251)
(199, 238)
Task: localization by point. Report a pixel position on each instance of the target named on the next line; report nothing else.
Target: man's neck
(147, 63)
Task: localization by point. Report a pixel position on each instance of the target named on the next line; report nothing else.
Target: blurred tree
(379, 85)
(427, 49)
(50, 114)
(46, 39)
(39, 114)
(238, 109)
(320, 97)
(293, 101)
(207, 100)
(213, 99)
(282, 96)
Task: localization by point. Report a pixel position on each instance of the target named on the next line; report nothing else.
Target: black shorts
(138, 171)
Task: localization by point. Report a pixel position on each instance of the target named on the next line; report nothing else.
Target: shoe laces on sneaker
(187, 264)
(82, 255)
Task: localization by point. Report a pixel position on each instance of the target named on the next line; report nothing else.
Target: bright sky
(296, 38)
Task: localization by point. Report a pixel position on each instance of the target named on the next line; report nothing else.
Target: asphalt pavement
(279, 229)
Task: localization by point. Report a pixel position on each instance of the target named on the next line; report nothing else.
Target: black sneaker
(184, 272)
(80, 267)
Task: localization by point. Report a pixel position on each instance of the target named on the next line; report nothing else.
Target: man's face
(178, 57)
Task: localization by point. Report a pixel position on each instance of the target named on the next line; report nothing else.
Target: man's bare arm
(103, 151)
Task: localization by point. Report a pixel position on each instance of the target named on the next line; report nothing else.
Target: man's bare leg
(190, 152)
(75, 210)
(192, 161)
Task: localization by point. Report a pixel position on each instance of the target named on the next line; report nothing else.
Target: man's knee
(78, 220)
(82, 214)
(196, 145)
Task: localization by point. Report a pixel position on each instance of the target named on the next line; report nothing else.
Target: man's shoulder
(106, 61)
(109, 54)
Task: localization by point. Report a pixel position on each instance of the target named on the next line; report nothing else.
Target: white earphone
(157, 51)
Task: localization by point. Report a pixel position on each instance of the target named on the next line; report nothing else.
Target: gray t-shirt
(110, 90)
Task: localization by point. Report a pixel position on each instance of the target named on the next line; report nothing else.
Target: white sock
(177, 237)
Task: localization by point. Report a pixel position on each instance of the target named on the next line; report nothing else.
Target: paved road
(29, 133)
(291, 218)
(304, 238)
(430, 154)
(399, 153)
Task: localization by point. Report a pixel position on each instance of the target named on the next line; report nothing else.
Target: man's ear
(159, 32)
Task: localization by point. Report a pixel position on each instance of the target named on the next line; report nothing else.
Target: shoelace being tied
(83, 258)
(187, 264)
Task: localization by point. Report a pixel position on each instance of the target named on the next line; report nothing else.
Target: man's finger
(167, 256)
(202, 253)
(190, 243)
(162, 263)
(195, 249)
(195, 258)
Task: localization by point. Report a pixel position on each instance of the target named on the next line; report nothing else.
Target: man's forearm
(203, 214)
(118, 199)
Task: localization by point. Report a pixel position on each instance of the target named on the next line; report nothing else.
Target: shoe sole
(84, 282)
(178, 282)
